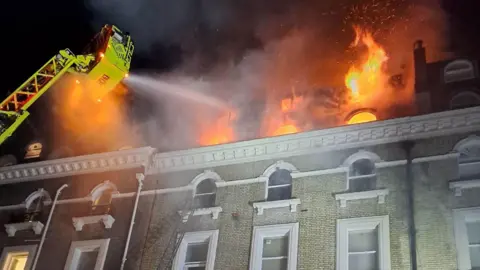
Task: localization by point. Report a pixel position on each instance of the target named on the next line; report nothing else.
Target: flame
(369, 78)
(362, 117)
(220, 132)
(281, 122)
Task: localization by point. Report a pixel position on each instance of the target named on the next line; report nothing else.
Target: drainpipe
(407, 147)
(45, 229)
(140, 177)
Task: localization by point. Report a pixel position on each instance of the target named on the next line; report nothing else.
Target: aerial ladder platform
(105, 61)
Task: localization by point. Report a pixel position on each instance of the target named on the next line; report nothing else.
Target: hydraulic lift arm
(106, 61)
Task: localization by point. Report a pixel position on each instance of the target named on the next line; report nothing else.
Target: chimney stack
(420, 62)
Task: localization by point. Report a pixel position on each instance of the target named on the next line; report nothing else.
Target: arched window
(34, 204)
(101, 197)
(361, 171)
(279, 185)
(458, 70)
(205, 194)
(465, 100)
(469, 159)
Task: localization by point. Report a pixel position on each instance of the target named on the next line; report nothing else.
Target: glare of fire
(287, 126)
(367, 78)
(362, 117)
(220, 132)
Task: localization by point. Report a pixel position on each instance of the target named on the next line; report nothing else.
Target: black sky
(34, 31)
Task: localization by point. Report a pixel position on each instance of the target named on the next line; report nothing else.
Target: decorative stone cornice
(333, 139)
(102, 162)
(353, 136)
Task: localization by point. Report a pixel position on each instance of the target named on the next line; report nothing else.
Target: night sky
(34, 31)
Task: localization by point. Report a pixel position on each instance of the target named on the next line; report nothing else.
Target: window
(197, 251)
(469, 159)
(87, 255)
(458, 70)
(467, 237)
(279, 185)
(205, 194)
(17, 257)
(363, 243)
(274, 247)
(361, 176)
(465, 99)
(34, 205)
(102, 198)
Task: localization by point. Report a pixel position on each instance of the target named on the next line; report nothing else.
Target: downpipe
(45, 229)
(408, 146)
(140, 177)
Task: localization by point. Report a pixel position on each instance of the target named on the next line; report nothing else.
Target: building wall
(158, 220)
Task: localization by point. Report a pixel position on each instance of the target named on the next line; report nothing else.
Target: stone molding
(12, 228)
(79, 222)
(261, 206)
(378, 193)
(332, 139)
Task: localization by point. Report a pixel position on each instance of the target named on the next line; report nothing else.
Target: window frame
(360, 177)
(260, 232)
(31, 249)
(77, 247)
(344, 226)
(197, 237)
(460, 218)
(269, 187)
(214, 193)
(451, 76)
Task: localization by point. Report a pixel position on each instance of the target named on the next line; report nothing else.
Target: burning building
(370, 190)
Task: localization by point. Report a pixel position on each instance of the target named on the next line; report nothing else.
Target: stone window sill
(459, 186)
(78, 222)
(378, 193)
(12, 228)
(261, 206)
(212, 211)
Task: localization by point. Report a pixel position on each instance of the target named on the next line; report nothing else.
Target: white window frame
(31, 249)
(344, 226)
(197, 237)
(460, 217)
(77, 247)
(261, 232)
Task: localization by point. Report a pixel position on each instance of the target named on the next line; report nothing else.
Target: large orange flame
(220, 132)
(369, 77)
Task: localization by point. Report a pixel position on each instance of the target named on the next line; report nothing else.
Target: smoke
(250, 55)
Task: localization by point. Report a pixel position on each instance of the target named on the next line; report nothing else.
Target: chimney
(420, 62)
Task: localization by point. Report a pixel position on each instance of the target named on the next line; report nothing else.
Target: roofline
(338, 138)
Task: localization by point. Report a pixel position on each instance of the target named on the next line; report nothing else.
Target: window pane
(359, 241)
(363, 184)
(17, 261)
(279, 193)
(473, 232)
(197, 252)
(280, 264)
(475, 256)
(206, 186)
(105, 198)
(204, 201)
(362, 261)
(280, 177)
(362, 167)
(275, 246)
(87, 260)
(469, 170)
